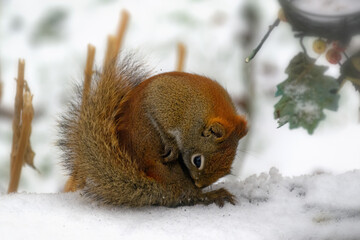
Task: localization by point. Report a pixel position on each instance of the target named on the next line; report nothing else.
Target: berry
(319, 46)
(333, 56)
(281, 15)
(338, 46)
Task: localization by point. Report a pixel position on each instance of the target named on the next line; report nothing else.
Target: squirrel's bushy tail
(90, 146)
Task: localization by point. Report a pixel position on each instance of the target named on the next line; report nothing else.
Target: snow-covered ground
(269, 207)
(307, 206)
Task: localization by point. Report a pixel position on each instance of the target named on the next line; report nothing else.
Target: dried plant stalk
(29, 154)
(181, 57)
(17, 110)
(123, 23)
(109, 57)
(70, 185)
(88, 71)
(114, 42)
(27, 116)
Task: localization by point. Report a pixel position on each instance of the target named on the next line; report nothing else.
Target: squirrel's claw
(219, 197)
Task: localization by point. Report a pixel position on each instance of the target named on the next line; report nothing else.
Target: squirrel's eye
(198, 161)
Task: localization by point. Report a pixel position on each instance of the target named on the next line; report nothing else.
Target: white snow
(308, 110)
(295, 90)
(270, 206)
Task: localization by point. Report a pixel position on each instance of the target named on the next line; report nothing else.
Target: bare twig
(114, 42)
(88, 71)
(70, 185)
(255, 51)
(29, 154)
(123, 23)
(109, 57)
(181, 57)
(17, 110)
(23, 143)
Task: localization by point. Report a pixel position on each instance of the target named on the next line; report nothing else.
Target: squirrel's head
(210, 157)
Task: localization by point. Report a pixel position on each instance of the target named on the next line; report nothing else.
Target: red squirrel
(137, 140)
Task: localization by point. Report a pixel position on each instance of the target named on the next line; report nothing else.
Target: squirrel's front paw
(219, 197)
(171, 154)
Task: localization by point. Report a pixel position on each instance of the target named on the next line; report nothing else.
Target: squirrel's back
(178, 98)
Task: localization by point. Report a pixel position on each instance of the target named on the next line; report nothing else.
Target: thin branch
(303, 46)
(70, 185)
(88, 71)
(27, 116)
(114, 42)
(109, 57)
(17, 110)
(29, 154)
(255, 51)
(123, 23)
(180, 57)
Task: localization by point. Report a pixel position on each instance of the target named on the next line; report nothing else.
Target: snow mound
(270, 206)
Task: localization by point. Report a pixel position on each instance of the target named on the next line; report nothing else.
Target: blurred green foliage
(51, 26)
(305, 94)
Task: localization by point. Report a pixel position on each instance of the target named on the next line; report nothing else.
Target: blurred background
(52, 37)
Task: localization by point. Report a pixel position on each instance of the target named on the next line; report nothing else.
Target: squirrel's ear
(220, 129)
(217, 128)
(241, 126)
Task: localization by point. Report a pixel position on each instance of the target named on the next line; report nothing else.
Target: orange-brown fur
(131, 141)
